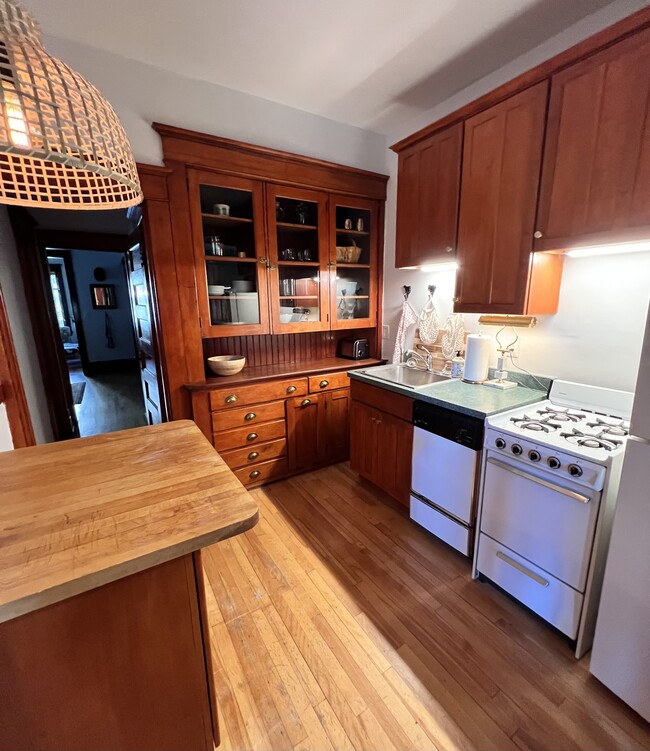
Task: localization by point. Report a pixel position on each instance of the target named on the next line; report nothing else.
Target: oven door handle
(557, 488)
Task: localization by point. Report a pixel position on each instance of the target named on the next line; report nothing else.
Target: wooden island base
(122, 667)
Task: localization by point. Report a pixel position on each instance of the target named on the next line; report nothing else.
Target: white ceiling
(370, 63)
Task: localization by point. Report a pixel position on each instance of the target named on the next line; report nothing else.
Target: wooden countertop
(288, 370)
(78, 514)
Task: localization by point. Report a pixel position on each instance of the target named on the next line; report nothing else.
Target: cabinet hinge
(200, 322)
(328, 317)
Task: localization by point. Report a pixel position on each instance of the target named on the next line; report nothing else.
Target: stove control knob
(575, 470)
(516, 449)
(534, 456)
(500, 443)
(553, 462)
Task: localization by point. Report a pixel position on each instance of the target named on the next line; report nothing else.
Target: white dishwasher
(446, 456)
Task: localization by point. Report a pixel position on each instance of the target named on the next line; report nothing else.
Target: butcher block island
(104, 640)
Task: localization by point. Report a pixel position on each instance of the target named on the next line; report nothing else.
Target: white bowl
(242, 285)
(225, 365)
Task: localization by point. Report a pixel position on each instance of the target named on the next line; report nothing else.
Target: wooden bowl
(226, 365)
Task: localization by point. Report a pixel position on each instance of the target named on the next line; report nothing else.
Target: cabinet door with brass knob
(306, 432)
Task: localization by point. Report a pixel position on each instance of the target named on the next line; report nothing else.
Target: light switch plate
(385, 331)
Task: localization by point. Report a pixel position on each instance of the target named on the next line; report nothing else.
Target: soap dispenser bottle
(457, 366)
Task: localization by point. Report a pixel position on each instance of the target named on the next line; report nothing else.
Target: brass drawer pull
(255, 474)
(263, 260)
(251, 436)
(305, 402)
(250, 416)
(230, 399)
(324, 383)
(252, 456)
(291, 389)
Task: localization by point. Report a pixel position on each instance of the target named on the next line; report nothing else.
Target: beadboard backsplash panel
(277, 349)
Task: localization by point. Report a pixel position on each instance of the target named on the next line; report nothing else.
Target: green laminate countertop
(472, 399)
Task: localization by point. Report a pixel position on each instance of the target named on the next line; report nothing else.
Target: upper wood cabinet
(427, 199)
(596, 174)
(502, 156)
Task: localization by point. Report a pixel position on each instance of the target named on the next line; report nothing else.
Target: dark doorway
(94, 321)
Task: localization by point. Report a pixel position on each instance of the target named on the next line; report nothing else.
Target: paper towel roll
(477, 358)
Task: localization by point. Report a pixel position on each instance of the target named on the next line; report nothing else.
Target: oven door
(546, 520)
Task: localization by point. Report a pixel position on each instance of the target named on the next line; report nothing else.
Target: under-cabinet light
(439, 267)
(605, 250)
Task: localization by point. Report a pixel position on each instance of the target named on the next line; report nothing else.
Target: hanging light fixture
(61, 143)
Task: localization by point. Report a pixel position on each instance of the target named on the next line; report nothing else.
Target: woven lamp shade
(61, 143)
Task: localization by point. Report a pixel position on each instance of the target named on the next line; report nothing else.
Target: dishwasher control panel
(447, 423)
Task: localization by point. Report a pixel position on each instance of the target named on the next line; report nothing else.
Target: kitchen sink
(402, 375)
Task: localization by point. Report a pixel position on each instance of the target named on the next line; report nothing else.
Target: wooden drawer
(254, 454)
(249, 436)
(237, 418)
(328, 382)
(265, 391)
(382, 399)
(264, 472)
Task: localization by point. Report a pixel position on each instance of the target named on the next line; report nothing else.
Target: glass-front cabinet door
(298, 258)
(231, 267)
(353, 262)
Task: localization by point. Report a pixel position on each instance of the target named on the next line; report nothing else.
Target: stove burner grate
(599, 441)
(561, 415)
(618, 429)
(535, 424)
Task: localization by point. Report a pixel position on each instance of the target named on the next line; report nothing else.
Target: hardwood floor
(339, 624)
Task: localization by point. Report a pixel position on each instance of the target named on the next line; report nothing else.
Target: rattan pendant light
(61, 143)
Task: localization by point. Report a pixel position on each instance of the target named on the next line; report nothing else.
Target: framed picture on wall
(103, 295)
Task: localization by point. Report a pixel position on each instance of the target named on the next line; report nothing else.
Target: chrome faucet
(426, 360)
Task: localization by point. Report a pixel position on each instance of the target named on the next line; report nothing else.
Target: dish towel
(409, 317)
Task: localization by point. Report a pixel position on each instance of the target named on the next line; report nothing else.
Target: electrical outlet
(385, 331)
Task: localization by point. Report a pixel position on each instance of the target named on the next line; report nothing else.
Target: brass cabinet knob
(449, 249)
(323, 384)
(252, 456)
(230, 399)
(291, 389)
(250, 416)
(538, 234)
(251, 436)
(255, 474)
(305, 402)
(272, 267)
(263, 260)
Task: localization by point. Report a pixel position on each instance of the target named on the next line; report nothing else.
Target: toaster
(354, 349)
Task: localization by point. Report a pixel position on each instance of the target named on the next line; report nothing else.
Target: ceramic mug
(221, 209)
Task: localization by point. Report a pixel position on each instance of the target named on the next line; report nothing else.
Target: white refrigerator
(621, 650)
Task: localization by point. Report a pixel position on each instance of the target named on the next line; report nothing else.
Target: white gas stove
(548, 488)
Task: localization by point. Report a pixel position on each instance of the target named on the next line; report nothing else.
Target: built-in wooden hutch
(276, 257)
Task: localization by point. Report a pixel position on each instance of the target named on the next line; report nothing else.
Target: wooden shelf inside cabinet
(290, 227)
(352, 265)
(298, 263)
(227, 297)
(298, 297)
(224, 221)
(352, 297)
(230, 259)
(357, 232)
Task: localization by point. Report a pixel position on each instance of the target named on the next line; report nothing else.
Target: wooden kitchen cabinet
(596, 177)
(318, 429)
(502, 155)
(428, 190)
(381, 440)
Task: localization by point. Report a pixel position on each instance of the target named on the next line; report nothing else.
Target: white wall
(21, 329)
(94, 320)
(142, 94)
(6, 441)
(596, 335)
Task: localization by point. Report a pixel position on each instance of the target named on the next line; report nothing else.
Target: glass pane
(352, 236)
(352, 293)
(232, 292)
(299, 290)
(227, 221)
(297, 229)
